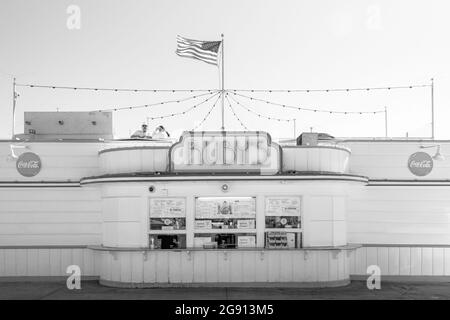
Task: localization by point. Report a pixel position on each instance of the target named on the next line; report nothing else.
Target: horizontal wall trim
(408, 182)
(45, 247)
(62, 279)
(312, 284)
(39, 184)
(414, 245)
(341, 148)
(166, 178)
(133, 148)
(418, 139)
(220, 177)
(402, 278)
(103, 248)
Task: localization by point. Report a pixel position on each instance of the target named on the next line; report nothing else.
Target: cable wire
(207, 115)
(110, 89)
(332, 89)
(185, 111)
(307, 109)
(235, 115)
(156, 103)
(258, 114)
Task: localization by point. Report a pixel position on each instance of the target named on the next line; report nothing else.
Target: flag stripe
(206, 55)
(195, 56)
(198, 48)
(189, 40)
(188, 52)
(206, 51)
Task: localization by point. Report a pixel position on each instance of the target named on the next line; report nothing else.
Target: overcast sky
(268, 45)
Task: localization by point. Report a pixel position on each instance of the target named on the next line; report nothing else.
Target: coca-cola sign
(420, 164)
(28, 164)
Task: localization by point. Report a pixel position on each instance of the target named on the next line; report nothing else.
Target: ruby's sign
(420, 164)
(28, 164)
(228, 151)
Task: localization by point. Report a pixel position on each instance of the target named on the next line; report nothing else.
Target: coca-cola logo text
(420, 164)
(28, 164)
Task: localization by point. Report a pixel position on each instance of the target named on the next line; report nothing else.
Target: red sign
(420, 164)
(28, 164)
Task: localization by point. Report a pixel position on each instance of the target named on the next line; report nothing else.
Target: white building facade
(224, 208)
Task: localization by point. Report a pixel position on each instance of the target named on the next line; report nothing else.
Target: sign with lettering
(420, 164)
(283, 206)
(226, 151)
(28, 164)
(225, 207)
(167, 207)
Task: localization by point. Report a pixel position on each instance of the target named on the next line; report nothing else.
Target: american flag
(202, 50)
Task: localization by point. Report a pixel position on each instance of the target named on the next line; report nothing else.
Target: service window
(283, 224)
(167, 241)
(225, 222)
(167, 223)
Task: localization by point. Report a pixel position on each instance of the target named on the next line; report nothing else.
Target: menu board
(246, 242)
(283, 206)
(225, 207)
(167, 207)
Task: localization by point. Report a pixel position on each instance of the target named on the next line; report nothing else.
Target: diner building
(220, 208)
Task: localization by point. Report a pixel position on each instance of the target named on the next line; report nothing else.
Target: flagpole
(13, 109)
(223, 90)
(432, 109)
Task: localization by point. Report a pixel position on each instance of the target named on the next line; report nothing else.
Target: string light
(258, 114)
(112, 89)
(332, 89)
(234, 90)
(207, 115)
(185, 111)
(308, 109)
(235, 115)
(156, 103)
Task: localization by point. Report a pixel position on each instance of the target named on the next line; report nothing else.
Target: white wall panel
(447, 261)
(402, 260)
(388, 160)
(25, 262)
(399, 215)
(49, 216)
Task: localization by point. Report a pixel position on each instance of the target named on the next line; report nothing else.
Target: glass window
(225, 222)
(224, 240)
(281, 239)
(167, 223)
(283, 222)
(167, 241)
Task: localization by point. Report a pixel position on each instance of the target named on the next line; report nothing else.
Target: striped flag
(202, 50)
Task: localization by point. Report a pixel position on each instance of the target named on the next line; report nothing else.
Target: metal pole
(295, 131)
(432, 108)
(385, 122)
(13, 109)
(223, 90)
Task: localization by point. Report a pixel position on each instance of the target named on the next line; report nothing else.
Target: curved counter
(307, 267)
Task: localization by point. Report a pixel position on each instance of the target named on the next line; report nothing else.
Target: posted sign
(232, 151)
(28, 164)
(420, 164)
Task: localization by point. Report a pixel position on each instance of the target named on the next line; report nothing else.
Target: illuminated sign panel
(233, 151)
